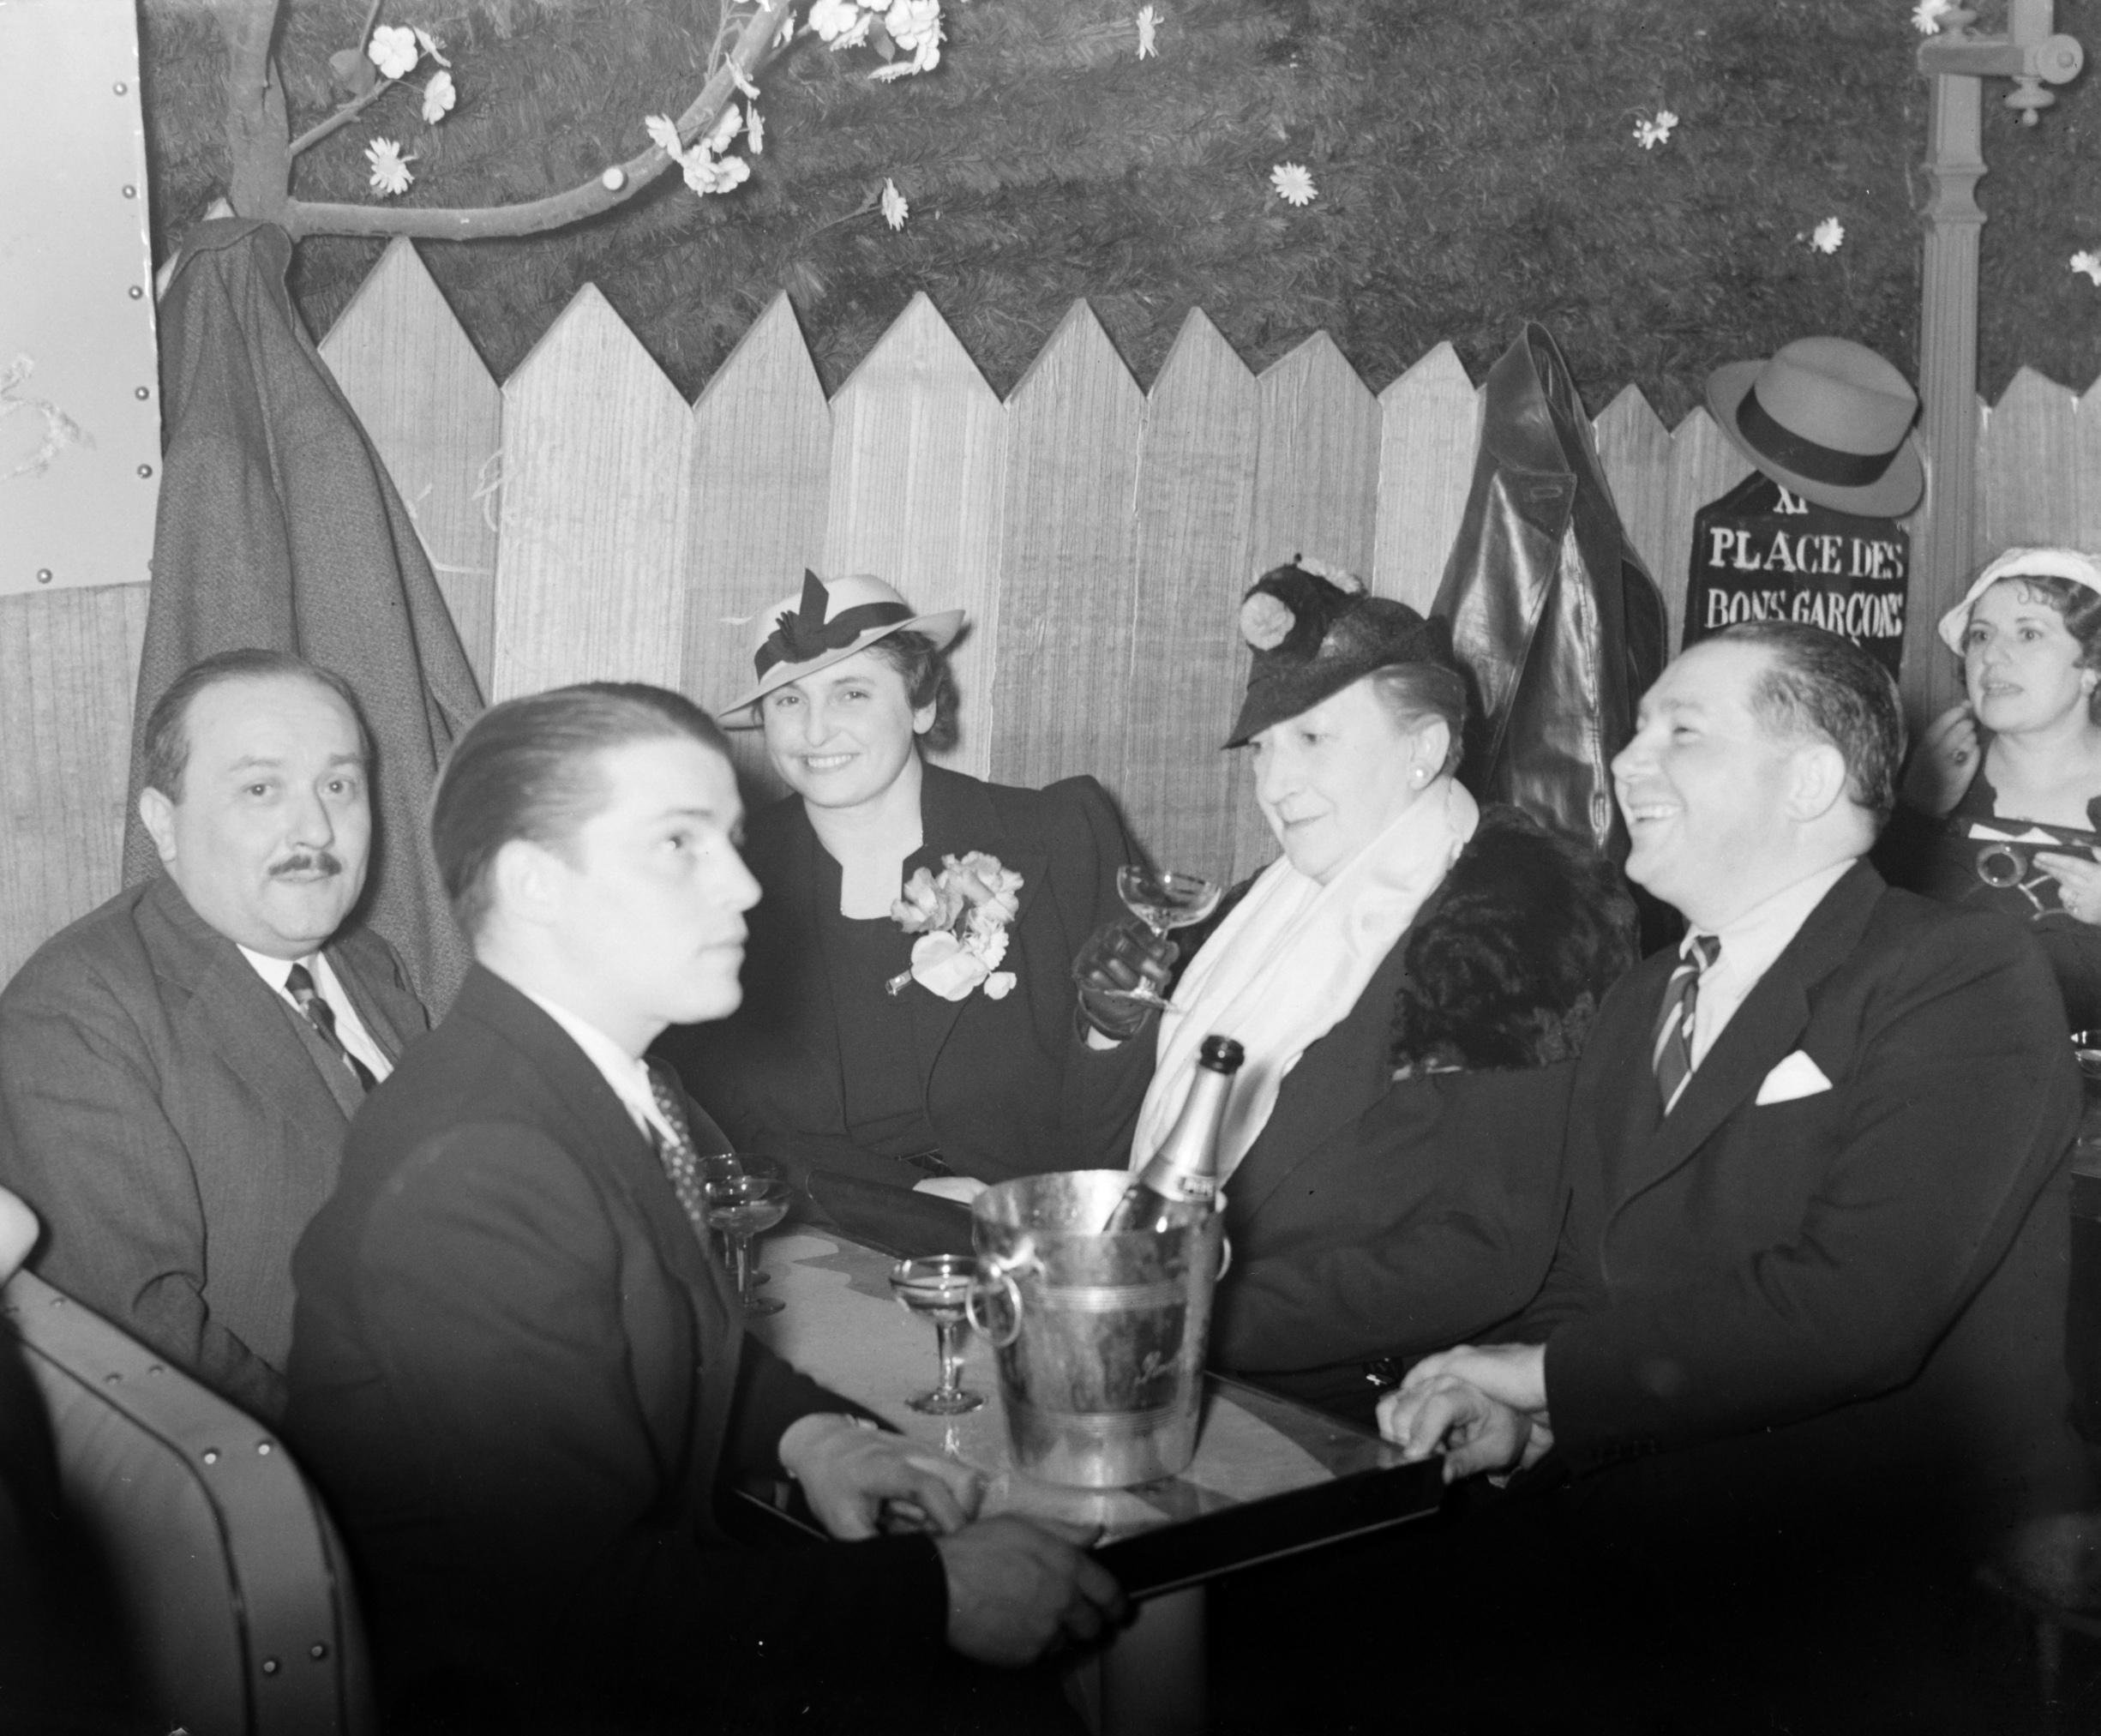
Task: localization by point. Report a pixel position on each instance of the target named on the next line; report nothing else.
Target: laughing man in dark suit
(519, 1372)
(172, 1099)
(1807, 1317)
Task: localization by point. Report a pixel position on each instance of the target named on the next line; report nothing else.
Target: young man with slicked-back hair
(519, 1373)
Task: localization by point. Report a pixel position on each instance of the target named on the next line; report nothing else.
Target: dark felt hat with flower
(1313, 632)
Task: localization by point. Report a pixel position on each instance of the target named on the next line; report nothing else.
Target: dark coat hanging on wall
(1556, 620)
(279, 527)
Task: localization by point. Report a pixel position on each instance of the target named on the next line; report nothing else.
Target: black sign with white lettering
(1761, 553)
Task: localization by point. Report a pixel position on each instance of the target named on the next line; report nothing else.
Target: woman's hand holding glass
(2078, 883)
(1944, 761)
(1118, 966)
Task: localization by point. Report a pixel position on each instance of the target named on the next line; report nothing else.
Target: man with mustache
(178, 1067)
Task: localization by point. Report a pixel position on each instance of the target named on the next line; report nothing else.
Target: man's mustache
(307, 861)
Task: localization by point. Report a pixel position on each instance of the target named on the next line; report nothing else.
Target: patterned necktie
(682, 1163)
(299, 984)
(1681, 996)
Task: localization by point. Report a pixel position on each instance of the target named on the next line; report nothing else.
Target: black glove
(1121, 956)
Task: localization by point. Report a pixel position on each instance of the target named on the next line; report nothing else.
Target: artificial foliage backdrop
(1474, 164)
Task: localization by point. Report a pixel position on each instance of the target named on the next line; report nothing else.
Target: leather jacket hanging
(1553, 616)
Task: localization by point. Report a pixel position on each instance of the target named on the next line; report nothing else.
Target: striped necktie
(299, 984)
(1681, 996)
(682, 1163)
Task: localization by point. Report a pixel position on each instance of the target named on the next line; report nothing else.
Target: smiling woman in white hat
(2004, 788)
(908, 1016)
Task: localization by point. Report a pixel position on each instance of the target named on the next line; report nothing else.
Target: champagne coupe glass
(1164, 901)
(741, 1205)
(721, 1166)
(939, 1287)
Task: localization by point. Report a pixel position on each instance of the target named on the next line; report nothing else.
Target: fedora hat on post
(826, 622)
(1827, 418)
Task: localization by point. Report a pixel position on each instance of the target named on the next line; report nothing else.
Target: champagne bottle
(1179, 1183)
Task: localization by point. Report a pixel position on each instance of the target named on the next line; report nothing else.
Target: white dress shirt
(1748, 946)
(349, 1028)
(629, 1075)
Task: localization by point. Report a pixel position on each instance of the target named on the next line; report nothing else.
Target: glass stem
(951, 1364)
(740, 1254)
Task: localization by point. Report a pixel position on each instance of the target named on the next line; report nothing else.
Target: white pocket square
(1796, 1077)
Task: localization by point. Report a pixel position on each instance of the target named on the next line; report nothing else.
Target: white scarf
(1289, 962)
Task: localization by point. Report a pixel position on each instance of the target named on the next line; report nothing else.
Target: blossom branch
(343, 117)
(617, 184)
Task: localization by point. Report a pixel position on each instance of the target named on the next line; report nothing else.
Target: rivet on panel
(43, 575)
(269, 1667)
(146, 469)
(121, 89)
(134, 292)
(142, 393)
(262, 1447)
(211, 1456)
(317, 1651)
(131, 192)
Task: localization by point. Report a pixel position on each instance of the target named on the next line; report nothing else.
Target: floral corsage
(960, 917)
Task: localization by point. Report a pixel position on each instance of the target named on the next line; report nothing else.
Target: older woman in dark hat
(1411, 980)
(907, 992)
(2001, 801)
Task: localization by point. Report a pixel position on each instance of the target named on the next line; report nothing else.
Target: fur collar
(1506, 965)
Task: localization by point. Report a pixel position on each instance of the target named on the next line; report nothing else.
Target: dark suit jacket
(1855, 1297)
(1009, 1087)
(519, 1379)
(168, 1117)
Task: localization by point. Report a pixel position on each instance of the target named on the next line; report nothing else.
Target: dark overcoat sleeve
(86, 1137)
(1427, 1222)
(1953, 1104)
(555, 1504)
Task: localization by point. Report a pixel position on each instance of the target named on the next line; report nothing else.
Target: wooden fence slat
(1317, 477)
(69, 661)
(1431, 428)
(594, 466)
(1184, 659)
(1704, 467)
(436, 418)
(1636, 449)
(2086, 469)
(2028, 490)
(759, 481)
(918, 443)
(1068, 546)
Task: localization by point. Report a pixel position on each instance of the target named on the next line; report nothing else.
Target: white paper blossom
(1149, 23)
(392, 50)
(726, 129)
(1828, 236)
(999, 985)
(431, 46)
(787, 28)
(746, 88)
(841, 23)
(896, 207)
(706, 174)
(2089, 263)
(390, 169)
(1927, 15)
(1650, 134)
(439, 96)
(754, 131)
(662, 132)
(1293, 184)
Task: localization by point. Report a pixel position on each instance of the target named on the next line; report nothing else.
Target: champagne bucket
(1100, 1338)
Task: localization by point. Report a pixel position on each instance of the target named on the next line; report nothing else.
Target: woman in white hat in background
(908, 1014)
(2004, 787)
